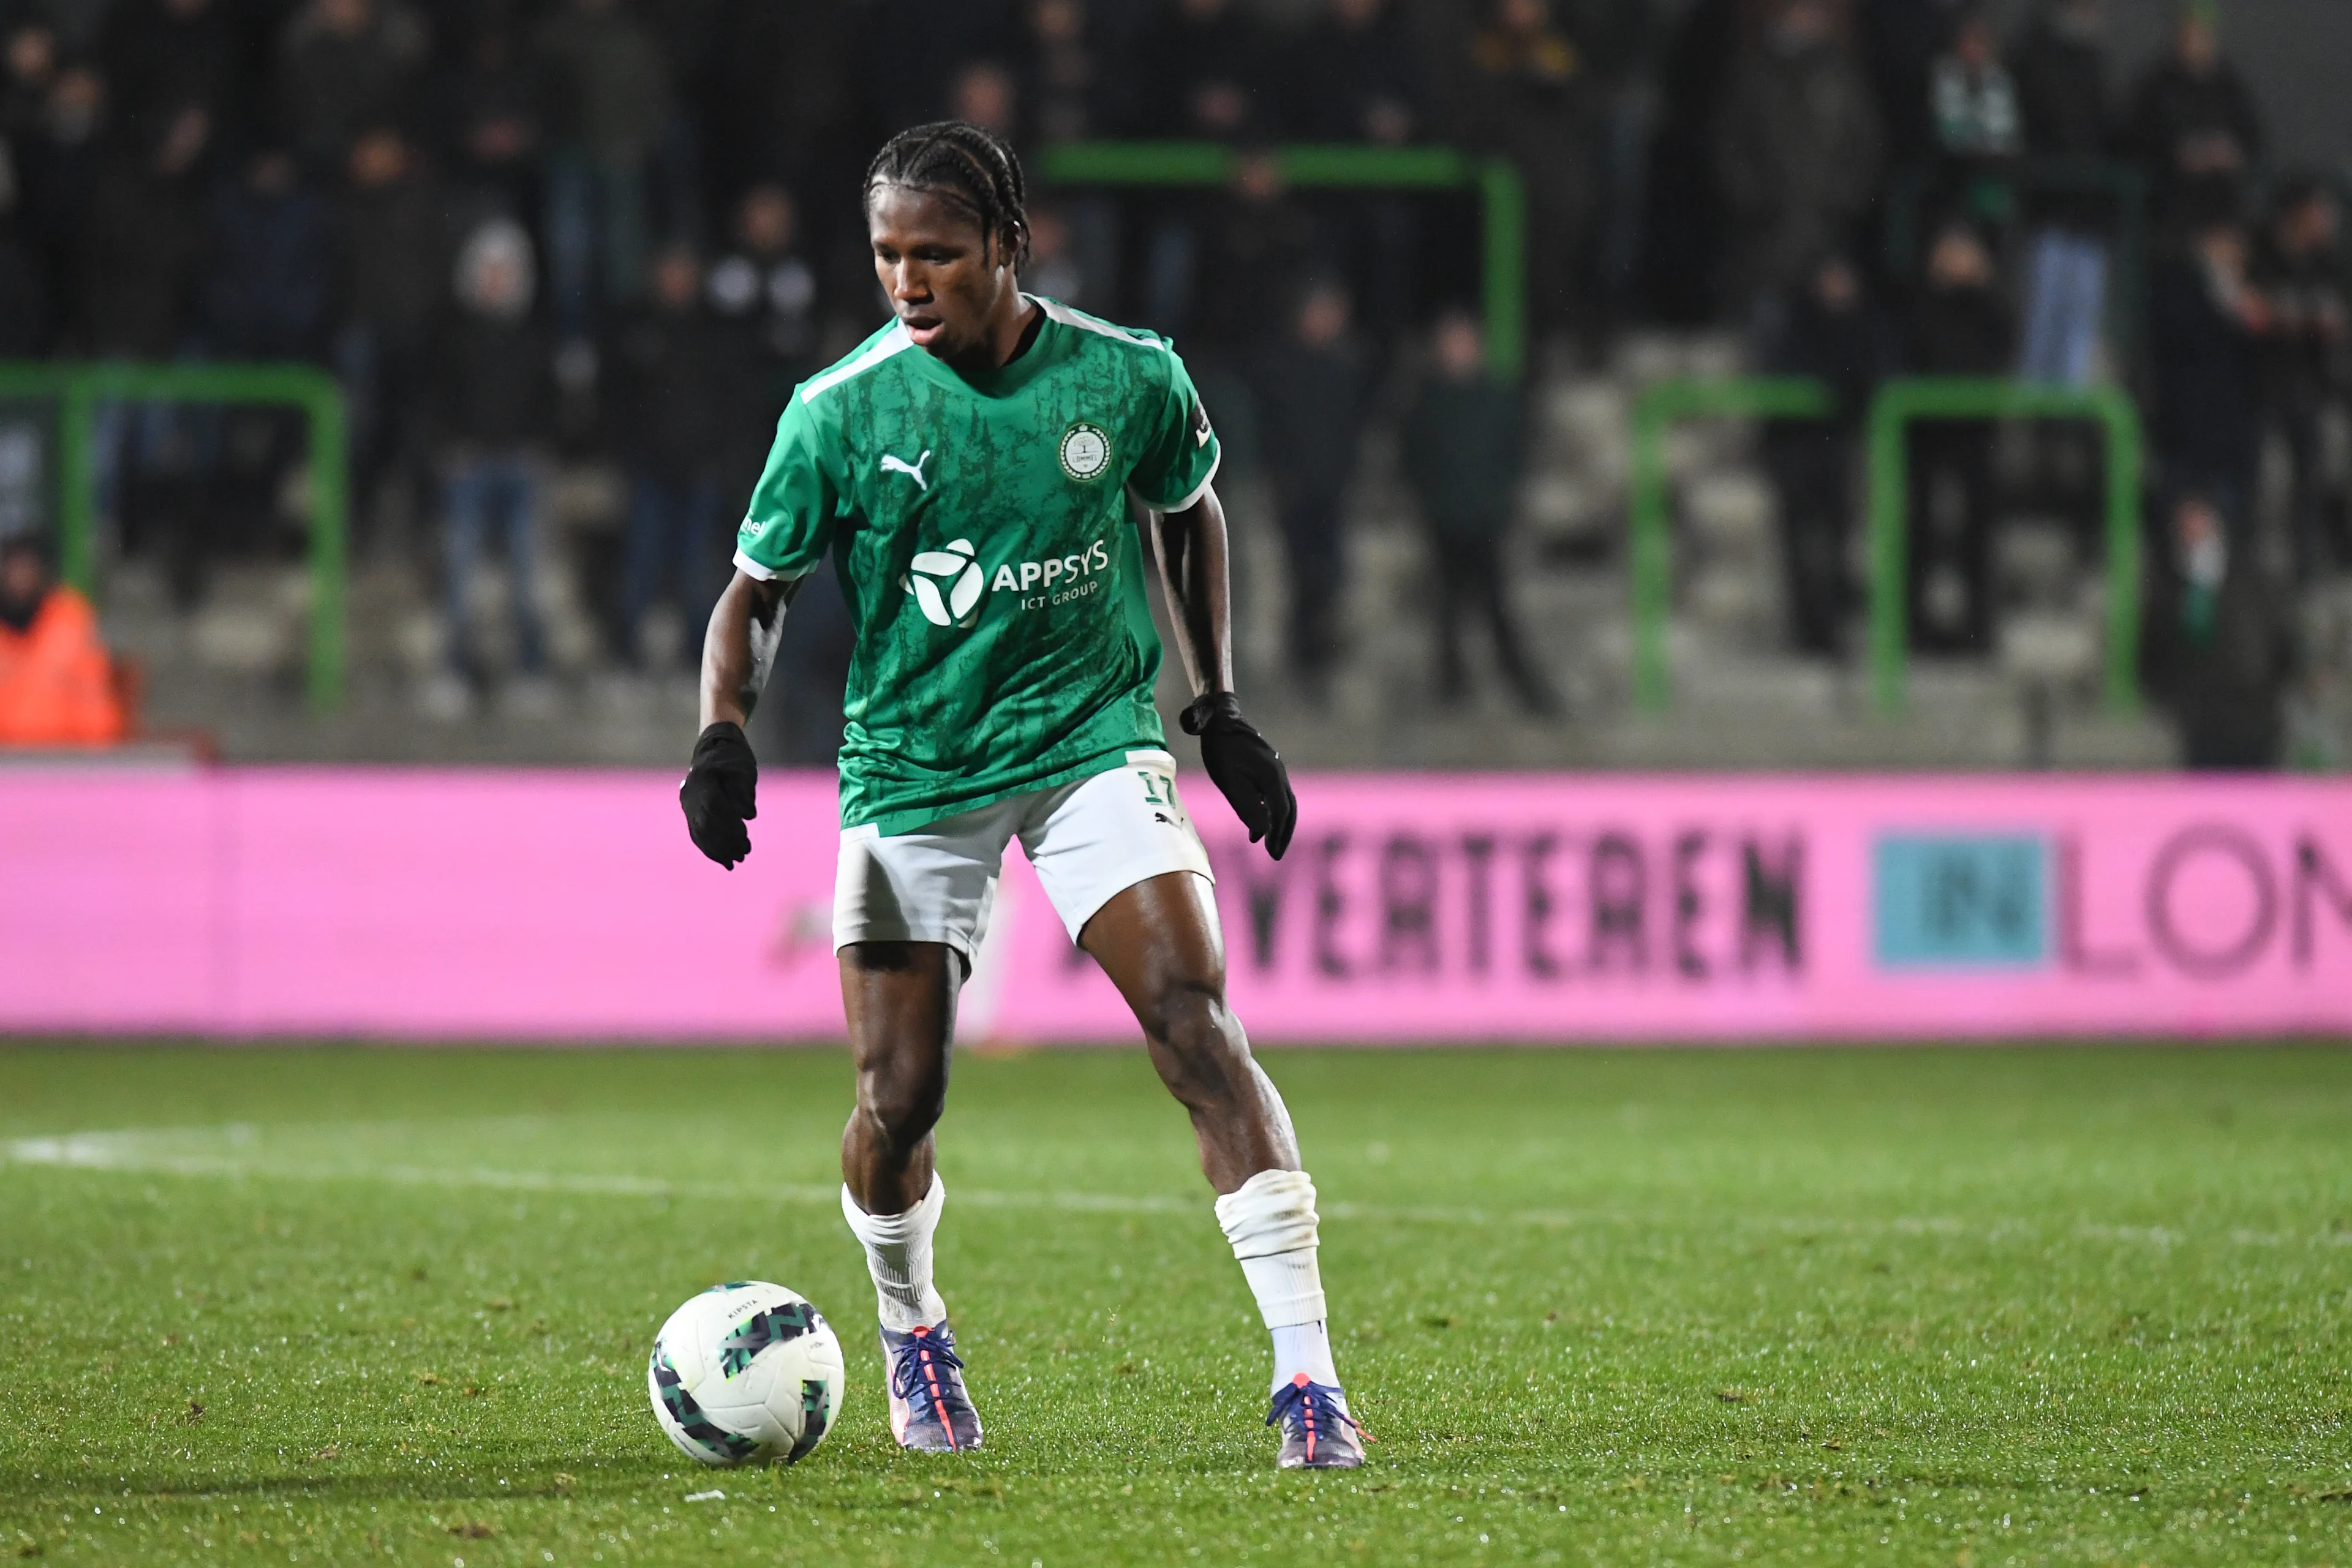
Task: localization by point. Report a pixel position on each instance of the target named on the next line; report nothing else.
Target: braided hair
(967, 165)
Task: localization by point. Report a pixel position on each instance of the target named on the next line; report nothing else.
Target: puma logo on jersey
(913, 471)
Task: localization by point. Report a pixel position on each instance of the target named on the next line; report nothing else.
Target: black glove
(718, 793)
(1245, 768)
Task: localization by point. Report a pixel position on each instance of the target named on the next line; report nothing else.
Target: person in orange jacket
(56, 686)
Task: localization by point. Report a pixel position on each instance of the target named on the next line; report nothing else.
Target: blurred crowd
(522, 230)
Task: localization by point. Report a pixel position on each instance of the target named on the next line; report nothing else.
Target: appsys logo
(947, 584)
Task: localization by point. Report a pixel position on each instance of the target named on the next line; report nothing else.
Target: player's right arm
(738, 651)
(783, 537)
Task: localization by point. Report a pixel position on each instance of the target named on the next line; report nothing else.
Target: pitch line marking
(133, 1151)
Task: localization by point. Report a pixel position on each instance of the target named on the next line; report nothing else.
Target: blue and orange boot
(929, 1411)
(1318, 1433)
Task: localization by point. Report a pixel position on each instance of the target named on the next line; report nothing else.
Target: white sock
(1271, 1223)
(1304, 1347)
(898, 1256)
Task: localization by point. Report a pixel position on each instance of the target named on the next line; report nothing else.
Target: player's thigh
(1094, 840)
(900, 998)
(1159, 944)
(909, 911)
(1125, 870)
(935, 885)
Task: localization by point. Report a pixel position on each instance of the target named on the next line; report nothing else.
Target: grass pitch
(1968, 1308)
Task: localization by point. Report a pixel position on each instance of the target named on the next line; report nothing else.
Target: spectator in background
(1682, 206)
(1528, 101)
(2194, 125)
(2207, 321)
(1973, 111)
(1062, 88)
(1898, 43)
(1797, 151)
(673, 402)
(1357, 79)
(272, 274)
(608, 99)
(2061, 79)
(986, 94)
(1053, 267)
(56, 680)
(396, 267)
(1831, 332)
(47, 179)
(1200, 66)
(142, 252)
(143, 239)
(914, 46)
(268, 294)
(23, 281)
(1961, 326)
(29, 64)
(493, 401)
(493, 119)
(1062, 78)
(2299, 269)
(2224, 656)
(1620, 42)
(764, 291)
(1463, 449)
(1260, 241)
(344, 65)
(174, 69)
(784, 92)
(1311, 387)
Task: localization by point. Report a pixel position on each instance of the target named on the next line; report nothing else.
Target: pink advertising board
(1412, 907)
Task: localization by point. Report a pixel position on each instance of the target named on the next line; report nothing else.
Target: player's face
(947, 283)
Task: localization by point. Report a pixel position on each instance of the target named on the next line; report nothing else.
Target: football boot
(929, 1411)
(1318, 1433)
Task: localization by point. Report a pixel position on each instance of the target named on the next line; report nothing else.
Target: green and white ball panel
(744, 1373)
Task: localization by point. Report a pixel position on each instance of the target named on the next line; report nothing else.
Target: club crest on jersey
(1085, 451)
(947, 584)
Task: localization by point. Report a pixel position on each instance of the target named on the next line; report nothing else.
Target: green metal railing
(1898, 402)
(1649, 521)
(79, 389)
(1907, 398)
(1502, 201)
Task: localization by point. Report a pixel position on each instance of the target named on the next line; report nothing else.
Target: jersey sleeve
(789, 526)
(1181, 450)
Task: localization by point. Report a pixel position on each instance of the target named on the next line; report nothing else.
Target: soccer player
(969, 468)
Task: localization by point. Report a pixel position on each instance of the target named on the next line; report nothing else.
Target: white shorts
(1090, 841)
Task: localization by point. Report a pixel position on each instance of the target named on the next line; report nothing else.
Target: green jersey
(1003, 640)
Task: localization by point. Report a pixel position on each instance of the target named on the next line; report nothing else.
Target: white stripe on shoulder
(759, 573)
(1216, 460)
(895, 341)
(1056, 311)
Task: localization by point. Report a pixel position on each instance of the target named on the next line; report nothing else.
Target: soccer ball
(954, 569)
(744, 1373)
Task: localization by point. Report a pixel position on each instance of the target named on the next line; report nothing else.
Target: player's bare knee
(1200, 1050)
(903, 1107)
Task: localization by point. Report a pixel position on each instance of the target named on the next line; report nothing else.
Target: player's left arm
(1193, 551)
